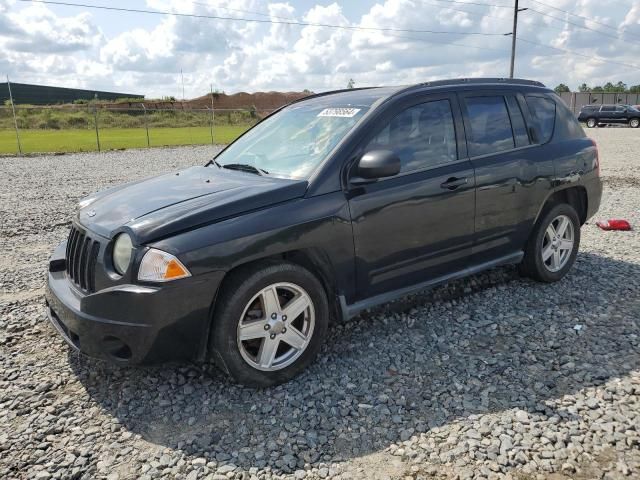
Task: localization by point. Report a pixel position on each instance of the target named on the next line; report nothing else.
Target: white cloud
(45, 46)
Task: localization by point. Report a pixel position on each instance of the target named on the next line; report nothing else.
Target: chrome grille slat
(82, 263)
(75, 266)
(82, 256)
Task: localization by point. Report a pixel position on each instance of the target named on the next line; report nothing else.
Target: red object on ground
(613, 224)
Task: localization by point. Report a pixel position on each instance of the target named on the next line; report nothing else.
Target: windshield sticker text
(339, 112)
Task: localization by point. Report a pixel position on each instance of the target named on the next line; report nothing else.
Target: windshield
(292, 142)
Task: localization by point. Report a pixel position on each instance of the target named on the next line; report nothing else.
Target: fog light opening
(116, 348)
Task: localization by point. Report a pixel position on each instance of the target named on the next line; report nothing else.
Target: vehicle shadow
(485, 344)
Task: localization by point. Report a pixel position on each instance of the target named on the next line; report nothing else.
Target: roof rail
(458, 81)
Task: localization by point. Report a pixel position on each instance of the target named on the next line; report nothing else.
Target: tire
(591, 122)
(545, 260)
(634, 122)
(246, 304)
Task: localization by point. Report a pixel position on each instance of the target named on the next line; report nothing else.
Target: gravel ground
(489, 377)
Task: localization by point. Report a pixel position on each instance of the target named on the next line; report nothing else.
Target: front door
(417, 225)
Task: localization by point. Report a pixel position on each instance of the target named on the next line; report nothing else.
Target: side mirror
(378, 164)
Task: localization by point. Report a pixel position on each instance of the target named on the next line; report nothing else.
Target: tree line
(609, 87)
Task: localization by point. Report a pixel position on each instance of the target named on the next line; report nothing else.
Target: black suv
(333, 204)
(594, 115)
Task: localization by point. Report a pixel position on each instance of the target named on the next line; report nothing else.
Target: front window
(294, 141)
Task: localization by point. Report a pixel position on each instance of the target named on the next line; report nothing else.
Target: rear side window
(608, 108)
(544, 115)
(490, 125)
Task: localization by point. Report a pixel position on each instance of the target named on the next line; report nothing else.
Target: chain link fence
(94, 126)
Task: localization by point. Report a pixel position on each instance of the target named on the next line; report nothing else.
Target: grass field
(84, 140)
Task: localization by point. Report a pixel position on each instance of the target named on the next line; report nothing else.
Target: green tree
(597, 89)
(562, 88)
(634, 89)
(584, 88)
(351, 83)
(617, 88)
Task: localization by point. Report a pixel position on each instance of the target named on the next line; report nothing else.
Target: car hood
(174, 202)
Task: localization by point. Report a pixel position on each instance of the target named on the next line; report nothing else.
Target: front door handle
(453, 183)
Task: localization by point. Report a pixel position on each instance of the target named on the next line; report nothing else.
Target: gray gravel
(488, 377)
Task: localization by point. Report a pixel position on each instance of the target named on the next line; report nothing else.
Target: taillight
(597, 165)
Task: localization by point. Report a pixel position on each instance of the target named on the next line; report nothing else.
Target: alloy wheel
(276, 326)
(557, 243)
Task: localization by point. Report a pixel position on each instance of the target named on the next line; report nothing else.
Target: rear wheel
(553, 245)
(634, 122)
(269, 323)
(591, 122)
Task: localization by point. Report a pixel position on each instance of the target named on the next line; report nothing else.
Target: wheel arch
(315, 260)
(576, 196)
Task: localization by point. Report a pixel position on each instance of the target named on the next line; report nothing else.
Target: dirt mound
(260, 100)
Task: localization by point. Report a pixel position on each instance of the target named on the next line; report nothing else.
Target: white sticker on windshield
(339, 112)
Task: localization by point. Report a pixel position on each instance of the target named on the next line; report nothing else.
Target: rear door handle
(453, 183)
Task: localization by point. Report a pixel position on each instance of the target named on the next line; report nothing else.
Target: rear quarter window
(543, 111)
(567, 126)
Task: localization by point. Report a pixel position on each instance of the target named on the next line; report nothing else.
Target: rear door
(512, 177)
(417, 225)
(608, 114)
(620, 114)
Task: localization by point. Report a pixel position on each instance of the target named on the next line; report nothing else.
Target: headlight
(159, 266)
(122, 251)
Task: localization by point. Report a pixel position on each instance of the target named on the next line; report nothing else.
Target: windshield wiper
(213, 161)
(244, 167)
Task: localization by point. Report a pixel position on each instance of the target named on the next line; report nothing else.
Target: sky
(139, 53)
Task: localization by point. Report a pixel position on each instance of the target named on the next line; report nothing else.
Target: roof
(369, 95)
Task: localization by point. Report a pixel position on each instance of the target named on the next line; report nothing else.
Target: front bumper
(132, 324)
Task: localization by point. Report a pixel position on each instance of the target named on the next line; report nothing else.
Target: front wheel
(553, 245)
(269, 323)
(634, 122)
(591, 122)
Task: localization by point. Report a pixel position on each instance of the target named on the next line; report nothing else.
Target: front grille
(82, 255)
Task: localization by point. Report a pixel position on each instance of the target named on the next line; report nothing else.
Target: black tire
(591, 122)
(634, 122)
(235, 295)
(532, 264)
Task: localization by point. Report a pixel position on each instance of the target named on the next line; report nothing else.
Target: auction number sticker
(339, 112)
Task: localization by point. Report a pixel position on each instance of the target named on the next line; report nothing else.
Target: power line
(262, 14)
(581, 16)
(584, 27)
(478, 14)
(476, 3)
(573, 52)
(256, 20)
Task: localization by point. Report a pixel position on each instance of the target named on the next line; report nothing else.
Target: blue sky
(91, 48)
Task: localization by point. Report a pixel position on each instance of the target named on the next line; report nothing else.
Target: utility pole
(182, 77)
(513, 36)
(15, 119)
